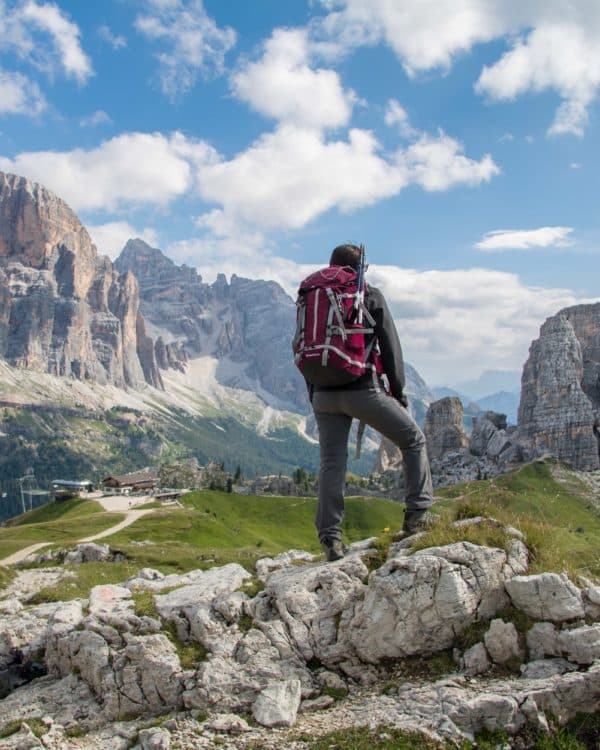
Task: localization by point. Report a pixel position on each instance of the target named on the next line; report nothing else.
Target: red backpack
(332, 321)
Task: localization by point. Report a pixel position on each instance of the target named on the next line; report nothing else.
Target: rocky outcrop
(444, 429)
(560, 394)
(64, 309)
(315, 628)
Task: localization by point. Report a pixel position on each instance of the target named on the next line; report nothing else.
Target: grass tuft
(6, 576)
(366, 738)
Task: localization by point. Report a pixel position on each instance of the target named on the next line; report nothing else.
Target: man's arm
(389, 343)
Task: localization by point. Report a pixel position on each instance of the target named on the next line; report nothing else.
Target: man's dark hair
(345, 255)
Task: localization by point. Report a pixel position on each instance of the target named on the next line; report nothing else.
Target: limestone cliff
(63, 308)
(560, 387)
(246, 324)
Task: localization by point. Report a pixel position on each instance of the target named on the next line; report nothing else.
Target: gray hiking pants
(334, 411)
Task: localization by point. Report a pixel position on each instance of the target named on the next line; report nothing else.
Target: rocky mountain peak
(560, 396)
(63, 308)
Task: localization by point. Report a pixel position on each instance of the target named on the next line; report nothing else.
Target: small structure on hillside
(144, 479)
(63, 489)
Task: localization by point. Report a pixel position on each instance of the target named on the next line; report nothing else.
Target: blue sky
(458, 139)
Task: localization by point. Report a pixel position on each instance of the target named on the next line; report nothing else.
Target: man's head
(345, 255)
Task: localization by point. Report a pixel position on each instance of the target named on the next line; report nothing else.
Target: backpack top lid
(334, 276)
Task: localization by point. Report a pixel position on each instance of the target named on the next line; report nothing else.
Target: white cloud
(282, 85)
(575, 165)
(44, 36)
(195, 43)
(454, 324)
(49, 18)
(397, 117)
(554, 44)
(525, 239)
(99, 117)
(19, 95)
(110, 238)
(282, 181)
(288, 177)
(560, 55)
(130, 169)
(116, 41)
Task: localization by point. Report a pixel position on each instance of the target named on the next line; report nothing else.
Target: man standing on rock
(363, 397)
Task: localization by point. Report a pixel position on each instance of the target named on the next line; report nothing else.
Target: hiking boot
(333, 549)
(416, 520)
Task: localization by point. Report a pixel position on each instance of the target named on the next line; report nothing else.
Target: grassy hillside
(58, 523)
(558, 514)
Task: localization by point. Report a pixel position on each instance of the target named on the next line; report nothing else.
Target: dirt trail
(131, 516)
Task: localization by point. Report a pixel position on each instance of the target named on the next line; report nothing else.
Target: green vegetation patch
(35, 723)
(67, 510)
(144, 604)
(218, 527)
(63, 526)
(84, 578)
(6, 576)
(485, 533)
(380, 738)
(547, 503)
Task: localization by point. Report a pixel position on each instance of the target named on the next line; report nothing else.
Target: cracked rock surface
(209, 652)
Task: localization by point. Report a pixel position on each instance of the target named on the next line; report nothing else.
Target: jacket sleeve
(389, 343)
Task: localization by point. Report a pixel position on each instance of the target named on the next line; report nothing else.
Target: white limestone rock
(313, 602)
(228, 724)
(205, 586)
(491, 712)
(113, 605)
(475, 660)
(547, 596)
(502, 642)
(591, 598)
(154, 739)
(25, 630)
(417, 604)
(542, 669)
(277, 705)
(232, 682)
(579, 645)
(88, 552)
(266, 565)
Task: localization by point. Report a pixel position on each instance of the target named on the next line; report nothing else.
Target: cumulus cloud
(465, 319)
(111, 237)
(130, 169)
(193, 41)
(19, 95)
(552, 45)
(65, 45)
(525, 239)
(283, 180)
(283, 85)
(290, 176)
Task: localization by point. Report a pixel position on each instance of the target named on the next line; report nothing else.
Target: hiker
(596, 430)
(338, 394)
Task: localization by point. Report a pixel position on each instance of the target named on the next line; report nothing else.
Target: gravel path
(131, 516)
